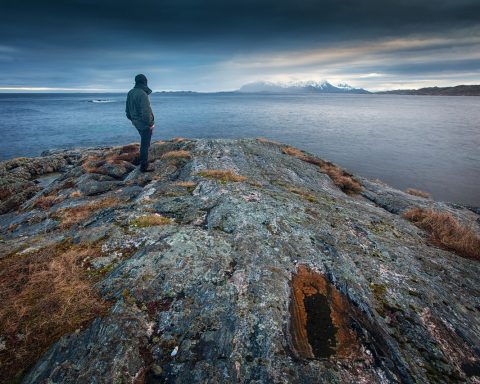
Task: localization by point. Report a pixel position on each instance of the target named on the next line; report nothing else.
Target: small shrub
(151, 220)
(181, 154)
(75, 215)
(45, 294)
(446, 231)
(223, 175)
(416, 192)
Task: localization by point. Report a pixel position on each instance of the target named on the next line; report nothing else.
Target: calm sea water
(428, 143)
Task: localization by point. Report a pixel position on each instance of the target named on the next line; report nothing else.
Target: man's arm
(146, 111)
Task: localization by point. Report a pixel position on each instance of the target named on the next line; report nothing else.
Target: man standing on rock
(139, 112)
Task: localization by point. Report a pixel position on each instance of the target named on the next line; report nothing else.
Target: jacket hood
(143, 87)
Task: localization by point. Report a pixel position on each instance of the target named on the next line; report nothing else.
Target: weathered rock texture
(280, 278)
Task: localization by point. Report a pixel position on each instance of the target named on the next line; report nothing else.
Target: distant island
(459, 90)
(320, 87)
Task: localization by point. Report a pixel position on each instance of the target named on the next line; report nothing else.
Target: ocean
(424, 142)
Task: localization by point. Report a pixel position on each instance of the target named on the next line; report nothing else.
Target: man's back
(138, 108)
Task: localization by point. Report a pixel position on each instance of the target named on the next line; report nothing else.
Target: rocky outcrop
(261, 272)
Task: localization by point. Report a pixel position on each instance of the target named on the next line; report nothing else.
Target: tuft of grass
(76, 194)
(224, 175)
(305, 194)
(74, 215)
(416, 192)
(267, 141)
(446, 231)
(186, 184)
(151, 220)
(292, 151)
(180, 154)
(45, 294)
(179, 139)
(340, 177)
(130, 153)
(91, 164)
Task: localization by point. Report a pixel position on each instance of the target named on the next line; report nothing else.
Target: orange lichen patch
(446, 231)
(45, 294)
(267, 141)
(181, 154)
(74, 215)
(186, 184)
(416, 192)
(45, 202)
(319, 318)
(223, 175)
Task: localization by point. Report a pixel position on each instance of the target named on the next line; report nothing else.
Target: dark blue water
(429, 143)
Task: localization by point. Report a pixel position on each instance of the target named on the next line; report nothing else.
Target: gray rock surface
(207, 296)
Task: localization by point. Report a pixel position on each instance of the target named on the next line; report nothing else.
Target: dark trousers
(146, 136)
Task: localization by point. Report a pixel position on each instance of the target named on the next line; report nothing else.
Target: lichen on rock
(240, 261)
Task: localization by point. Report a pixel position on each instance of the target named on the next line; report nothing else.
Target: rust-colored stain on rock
(319, 318)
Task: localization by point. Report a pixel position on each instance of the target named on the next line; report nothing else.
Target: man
(139, 112)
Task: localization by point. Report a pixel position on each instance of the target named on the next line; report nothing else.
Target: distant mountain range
(313, 87)
(299, 87)
(459, 90)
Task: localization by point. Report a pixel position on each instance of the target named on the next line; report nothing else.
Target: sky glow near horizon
(98, 46)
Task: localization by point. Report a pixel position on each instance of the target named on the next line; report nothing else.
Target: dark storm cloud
(87, 42)
(219, 22)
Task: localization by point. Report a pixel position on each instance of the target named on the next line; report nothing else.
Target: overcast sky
(215, 45)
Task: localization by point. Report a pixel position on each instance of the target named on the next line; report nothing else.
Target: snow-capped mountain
(309, 86)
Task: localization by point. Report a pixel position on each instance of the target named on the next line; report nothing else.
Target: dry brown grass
(181, 154)
(292, 151)
(45, 202)
(74, 215)
(340, 177)
(44, 294)
(446, 231)
(186, 184)
(179, 139)
(223, 175)
(76, 194)
(267, 141)
(130, 153)
(91, 164)
(151, 220)
(416, 192)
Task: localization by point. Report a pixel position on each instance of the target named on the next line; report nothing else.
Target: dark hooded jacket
(138, 108)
